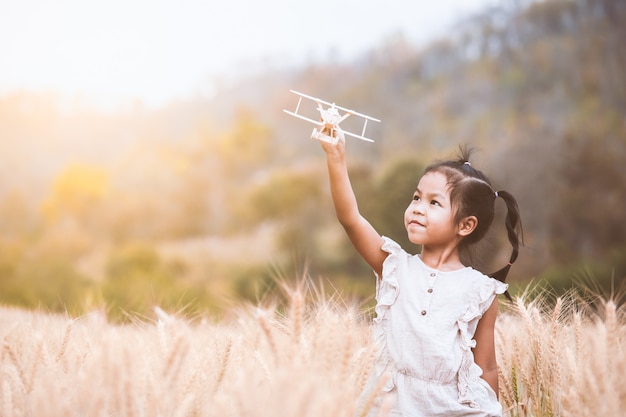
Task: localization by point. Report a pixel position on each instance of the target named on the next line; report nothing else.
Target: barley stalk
(37, 359)
(267, 331)
(173, 363)
(16, 363)
(64, 343)
(296, 315)
(365, 370)
(612, 344)
(505, 388)
(266, 371)
(225, 357)
(373, 395)
(551, 362)
(555, 357)
(344, 360)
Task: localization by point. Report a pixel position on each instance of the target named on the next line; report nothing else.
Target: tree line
(89, 200)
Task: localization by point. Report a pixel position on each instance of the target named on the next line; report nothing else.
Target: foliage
(78, 194)
(137, 279)
(537, 85)
(393, 193)
(603, 154)
(17, 217)
(246, 146)
(283, 196)
(50, 283)
(606, 273)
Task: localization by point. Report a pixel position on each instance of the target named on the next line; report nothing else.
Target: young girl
(435, 316)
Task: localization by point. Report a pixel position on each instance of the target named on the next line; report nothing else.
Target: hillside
(537, 87)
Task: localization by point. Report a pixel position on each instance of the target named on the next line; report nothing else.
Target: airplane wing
(317, 100)
(345, 132)
(320, 123)
(299, 116)
(333, 104)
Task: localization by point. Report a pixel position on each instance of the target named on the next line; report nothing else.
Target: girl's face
(429, 218)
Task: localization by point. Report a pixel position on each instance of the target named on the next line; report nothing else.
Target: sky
(111, 52)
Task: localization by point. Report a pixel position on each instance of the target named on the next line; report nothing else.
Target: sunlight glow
(116, 51)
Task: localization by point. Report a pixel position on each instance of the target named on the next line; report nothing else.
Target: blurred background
(145, 159)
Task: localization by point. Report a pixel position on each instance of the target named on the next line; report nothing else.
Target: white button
(432, 274)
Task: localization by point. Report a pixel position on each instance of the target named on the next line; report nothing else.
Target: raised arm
(366, 240)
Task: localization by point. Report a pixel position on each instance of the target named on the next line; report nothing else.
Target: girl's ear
(467, 225)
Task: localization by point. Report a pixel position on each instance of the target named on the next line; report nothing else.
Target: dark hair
(472, 194)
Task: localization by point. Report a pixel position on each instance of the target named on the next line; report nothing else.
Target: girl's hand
(336, 149)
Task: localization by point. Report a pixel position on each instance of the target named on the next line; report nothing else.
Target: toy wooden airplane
(330, 119)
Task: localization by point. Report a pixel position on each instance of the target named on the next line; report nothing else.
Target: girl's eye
(416, 198)
(435, 203)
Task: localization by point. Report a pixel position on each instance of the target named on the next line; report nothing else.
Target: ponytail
(472, 194)
(515, 234)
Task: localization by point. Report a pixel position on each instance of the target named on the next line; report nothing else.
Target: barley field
(308, 356)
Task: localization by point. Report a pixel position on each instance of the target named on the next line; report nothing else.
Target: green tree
(17, 216)
(246, 147)
(588, 220)
(47, 282)
(393, 193)
(78, 193)
(138, 279)
(283, 195)
(290, 201)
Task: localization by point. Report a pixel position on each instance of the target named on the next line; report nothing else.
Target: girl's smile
(415, 223)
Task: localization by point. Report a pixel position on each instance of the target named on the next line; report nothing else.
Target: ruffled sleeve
(387, 289)
(387, 286)
(482, 299)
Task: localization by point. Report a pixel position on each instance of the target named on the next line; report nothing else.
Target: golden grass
(562, 359)
(310, 357)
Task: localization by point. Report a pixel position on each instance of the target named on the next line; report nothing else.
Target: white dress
(425, 324)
